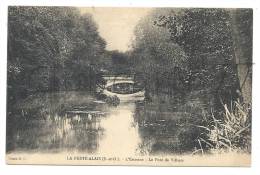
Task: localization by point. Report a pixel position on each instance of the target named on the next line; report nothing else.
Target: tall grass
(231, 131)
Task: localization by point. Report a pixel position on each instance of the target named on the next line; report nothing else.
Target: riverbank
(195, 124)
(55, 101)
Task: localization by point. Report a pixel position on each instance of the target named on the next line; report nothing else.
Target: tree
(242, 33)
(50, 49)
(159, 63)
(206, 37)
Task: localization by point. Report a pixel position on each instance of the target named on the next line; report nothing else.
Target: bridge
(118, 79)
(124, 87)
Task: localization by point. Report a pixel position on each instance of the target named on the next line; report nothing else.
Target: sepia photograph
(129, 86)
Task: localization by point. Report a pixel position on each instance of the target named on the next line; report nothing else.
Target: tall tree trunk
(241, 23)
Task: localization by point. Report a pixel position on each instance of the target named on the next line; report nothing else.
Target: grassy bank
(54, 102)
(198, 125)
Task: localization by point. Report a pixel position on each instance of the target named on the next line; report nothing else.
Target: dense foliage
(158, 62)
(206, 37)
(200, 54)
(197, 45)
(51, 48)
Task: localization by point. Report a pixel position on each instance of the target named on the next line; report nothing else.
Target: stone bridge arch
(121, 79)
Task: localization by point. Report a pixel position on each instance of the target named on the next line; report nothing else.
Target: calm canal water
(128, 129)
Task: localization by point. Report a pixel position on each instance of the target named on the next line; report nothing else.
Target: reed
(231, 131)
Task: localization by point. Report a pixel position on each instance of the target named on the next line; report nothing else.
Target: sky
(116, 25)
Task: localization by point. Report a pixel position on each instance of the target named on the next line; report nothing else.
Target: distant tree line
(51, 49)
(117, 63)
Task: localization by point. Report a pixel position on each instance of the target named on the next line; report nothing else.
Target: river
(131, 128)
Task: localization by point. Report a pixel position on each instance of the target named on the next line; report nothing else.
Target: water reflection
(75, 130)
(121, 132)
(104, 131)
(158, 131)
(131, 128)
